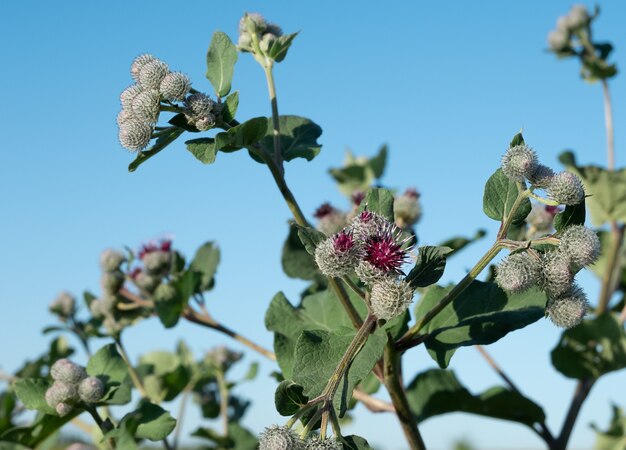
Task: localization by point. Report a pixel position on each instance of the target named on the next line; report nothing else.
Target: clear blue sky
(445, 84)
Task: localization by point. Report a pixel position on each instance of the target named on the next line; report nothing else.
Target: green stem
(223, 388)
(357, 290)
(269, 75)
(582, 391)
(504, 228)
(608, 122)
(104, 425)
(131, 370)
(394, 385)
(613, 262)
(409, 339)
(168, 108)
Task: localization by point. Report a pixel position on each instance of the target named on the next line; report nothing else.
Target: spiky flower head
(66, 371)
(91, 390)
(279, 438)
(519, 162)
(569, 310)
(384, 250)
(253, 23)
(139, 62)
(145, 281)
(557, 278)
(152, 74)
(518, 272)
(64, 305)
(145, 106)
(128, 94)
(112, 282)
(134, 135)
(205, 123)
(175, 86)
(370, 274)
(198, 105)
(566, 188)
(60, 392)
(317, 443)
(577, 17)
(558, 40)
(541, 177)
(407, 209)
(390, 297)
(581, 245)
(165, 293)
(157, 262)
(124, 116)
(330, 220)
(63, 409)
(338, 255)
(111, 259)
(367, 223)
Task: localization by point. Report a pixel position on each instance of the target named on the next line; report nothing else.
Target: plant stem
(504, 228)
(223, 388)
(278, 156)
(105, 426)
(394, 385)
(609, 275)
(131, 370)
(608, 122)
(357, 290)
(582, 391)
(181, 415)
(409, 339)
(373, 404)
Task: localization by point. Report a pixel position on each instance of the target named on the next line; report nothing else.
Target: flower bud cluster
(64, 306)
(256, 34)
(520, 163)
(577, 18)
(283, 438)
(554, 272)
(71, 386)
(407, 209)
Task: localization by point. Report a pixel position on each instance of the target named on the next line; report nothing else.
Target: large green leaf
(380, 201)
(31, 393)
(289, 398)
(110, 368)
(203, 149)
(482, 314)
(298, 138)
(435, 392)
(205, 262)
(164, 375)
(295, 259)
(499, 197)
(220, 61)
(591, 349)
(429, 266)
(42, 427)
(151, 421)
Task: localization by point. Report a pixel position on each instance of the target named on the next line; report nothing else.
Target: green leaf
(518, 139)
(571, 215)
(482, 314)
(378, 162)
(152, 422)
(163, 374)
(243, 135)
(159, 145)
(358, 174)
(32, 392)
(458, 243)
(110, 368)
(180, 121)
(230, 107)
(298, 138)
(203, 149)
(289, 398)
(591, 349)
(168, 304)
(220, 61)
(252, 372)
(606, 190)
(499, 197)
(435, 392)
(242, 439)
(310, 238)
(295, 259)
(205, 262)
(614, 438)
(279, 47)
(380, 201)
(356, 443)
(429, 266)
(42, 427)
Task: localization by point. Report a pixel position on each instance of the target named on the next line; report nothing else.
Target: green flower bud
(175, 86)
(165, 293)
(152, 74)
(407, 209)
(369, 274)
(205, 123)
(108, 302)
(139, 62)
(556, 273)
(125, 116)
(519, 162)
(566, 189)
(112, 282)
(279, 438)
(91, 390)
(97, 310)
(60, 392)
(64, 305)
(63, 409)
(558, 40)
(577, 17)
(541, 177)
(518, 272)
(135, 135)
(66, 371)
(111, 260)
(145, 106)
(198, 106)
(252, 23)
(145, 281)
(569, 310)
(157, 262)
(317, 443)
(390, 297)
(581, 245)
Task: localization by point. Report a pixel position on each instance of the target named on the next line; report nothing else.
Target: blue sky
(445, 84)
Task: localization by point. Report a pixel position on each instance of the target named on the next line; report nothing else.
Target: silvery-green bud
(577, 17)
(518, 272)
(111, 260)
(338, 255)
(128, 94)
(139, 62)
(369, 273)
(519, 162)
(253, 23)
(165, 293)
(556, 273)
(108, 302)
(64, 305)
(581, 245)
(406, 209)
(134, 135)
(541, 177)
(152, 74)
(157, 261)
(175, 86)
(317, 443)
(198, 106)
(66, 371)
(63, 409)
(146, 282)
(390, 297)
(205, 123)
(91, 390)
(145, 106)
(569, 310)
(97, 310)
(112, 326)
(566, 188)
(279, 438)
(558, 39)
(60, 392)
(112, 282)
(366, 224)
(124, 116)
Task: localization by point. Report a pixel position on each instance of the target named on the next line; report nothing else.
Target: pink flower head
(384, 252)
(164, 245)
(552, 210)
(343, 241)
(357, 198)
(412, 192)
(324, 210)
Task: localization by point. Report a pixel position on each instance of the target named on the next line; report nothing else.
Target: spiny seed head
(112, 282)
(124, 116)
(135, 136)
(145, 106)
(407, 209)
(577, 17)
(384, 250)
(279, 438)
(541, 177)
(91, 390)
(152, 74)
(390, 297)
(317, 443)
(175, 86)
(569, 310)
(518, 272)
(566, 188)
(581, 245)
(64, 305)
(60, 392)
(205, 123)
(157, 262)
(139, 62)
(198, 105)
(338, 255)
(558, 40)
(128, 94)
(63, 409)
(111, 260)
(557, 277)
(66, 371)
(145, 281)
(519, 162)
(370, 274)
(368, 223)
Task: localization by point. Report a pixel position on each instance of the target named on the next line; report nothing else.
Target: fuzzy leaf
(310, 237)
(500, 195)
(380, 201)
(281, 45)
(32, 392)
(298, 138)
(203, 149)
(429, 267)
(151, 421)
(289, 398)
(220, 60)
(295, 259)
(110, 368)
(230, 107)
(205, 263)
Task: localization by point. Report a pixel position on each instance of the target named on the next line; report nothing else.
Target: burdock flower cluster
(283, 438)
(576, 19)
(375, 250)
(255, 31)
(71, 387)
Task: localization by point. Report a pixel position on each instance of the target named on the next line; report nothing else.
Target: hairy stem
(580, 394)
(131, 370)
(508, 220)
(278, 156)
